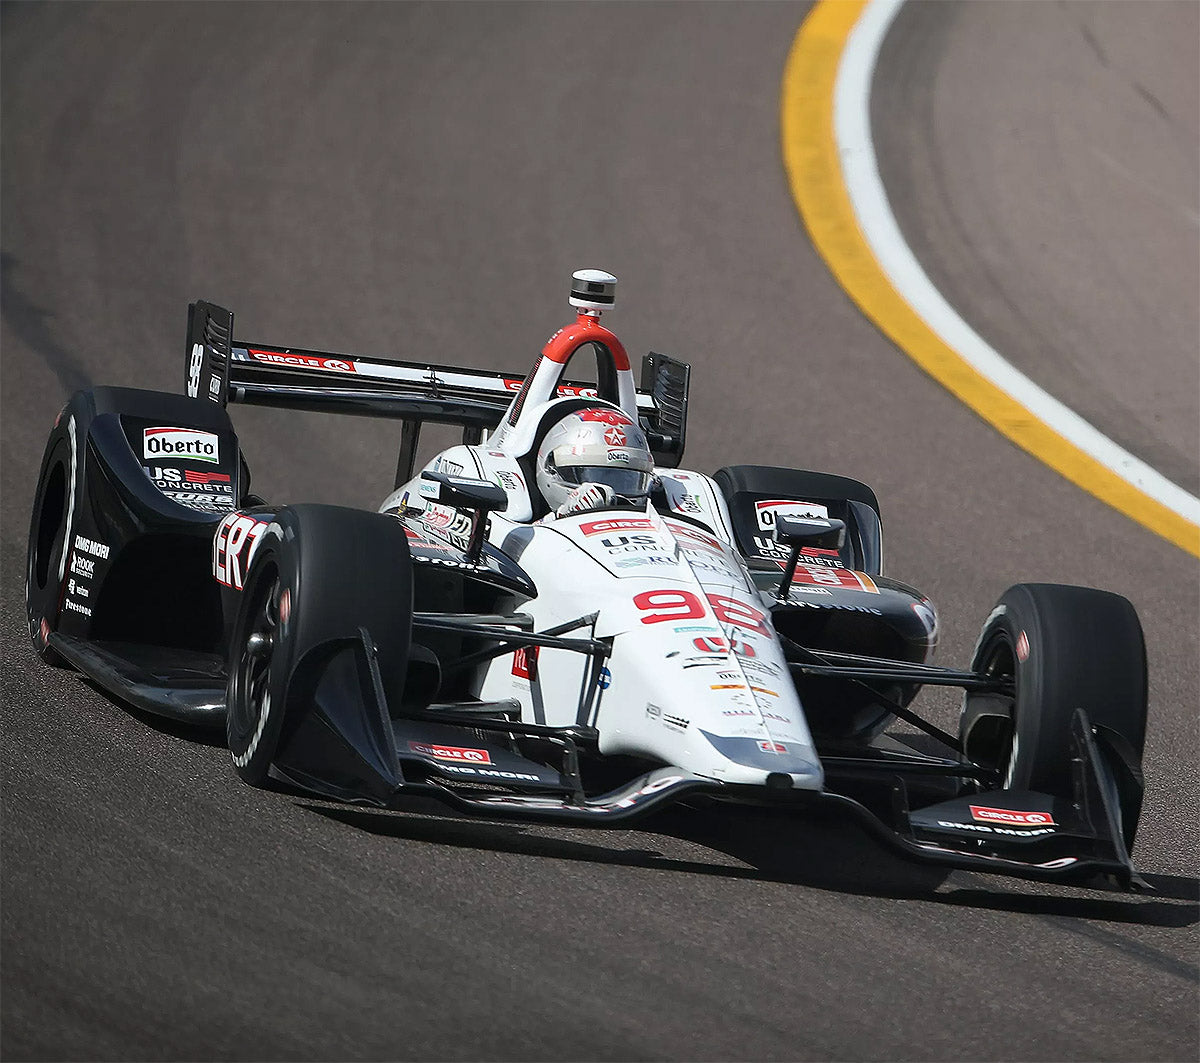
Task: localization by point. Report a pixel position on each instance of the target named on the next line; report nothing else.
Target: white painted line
(860, 171)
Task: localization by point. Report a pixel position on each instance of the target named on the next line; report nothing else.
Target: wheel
(54, 509)
(1062, 648)
(318, 573)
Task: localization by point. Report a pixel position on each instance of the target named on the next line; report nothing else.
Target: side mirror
(810, 531)
(481, 497)
(798, 532)
(463, 492)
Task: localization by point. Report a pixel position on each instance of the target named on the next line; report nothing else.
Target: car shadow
(823, 852)
(189, 732)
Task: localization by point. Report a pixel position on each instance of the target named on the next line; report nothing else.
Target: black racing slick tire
(318, 574)
(55, 505)
(1061, 648)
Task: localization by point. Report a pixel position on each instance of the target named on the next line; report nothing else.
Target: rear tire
(318, 573)
(1062, 648)
(55, 506)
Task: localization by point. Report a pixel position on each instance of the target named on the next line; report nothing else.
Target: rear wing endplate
(224, 369)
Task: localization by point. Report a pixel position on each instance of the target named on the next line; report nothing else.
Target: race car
(554, 621)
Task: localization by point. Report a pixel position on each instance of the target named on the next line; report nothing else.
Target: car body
(729, 637)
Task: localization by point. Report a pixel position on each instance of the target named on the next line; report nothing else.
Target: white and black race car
(649, 635)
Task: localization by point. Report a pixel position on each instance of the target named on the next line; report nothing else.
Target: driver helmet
(596, 445)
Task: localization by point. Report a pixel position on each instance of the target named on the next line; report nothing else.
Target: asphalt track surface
(419, 182)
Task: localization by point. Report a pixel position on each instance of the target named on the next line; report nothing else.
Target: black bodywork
(125, 537)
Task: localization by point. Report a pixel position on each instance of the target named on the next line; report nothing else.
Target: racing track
(420, 181)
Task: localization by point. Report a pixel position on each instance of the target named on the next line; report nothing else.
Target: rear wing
(224, 369)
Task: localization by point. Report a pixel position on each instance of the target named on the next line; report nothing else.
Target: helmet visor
(628, 483)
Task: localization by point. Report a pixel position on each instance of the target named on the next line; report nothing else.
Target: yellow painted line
(814, 173)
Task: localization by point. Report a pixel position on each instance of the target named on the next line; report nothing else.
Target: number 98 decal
(664, 605)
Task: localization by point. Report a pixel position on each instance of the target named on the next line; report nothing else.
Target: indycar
(707, 638)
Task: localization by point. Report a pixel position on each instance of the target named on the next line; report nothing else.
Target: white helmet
(595, 445)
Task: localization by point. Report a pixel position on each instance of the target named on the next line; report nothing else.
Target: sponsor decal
(192, 500)
(772, 747)
(1011, 818)
(764, 690)
(645, 559)
(303, 361)
(510, 481)
(615, 524)
(727, 686)
(214, 388)
(738, 712)
(706, 661)
(180, 442)
(192, 477)
(604, 679)
(456, 753)
(77, 588)
(709, 628)
(90, 546)
(809, 555)
(614, 436)
(688, 534)
(675, 721)
(524, 664)
(234, 544)
(84, 567)
(166, 478)
(767, 509)
(73, 606)
(735, 644)
(816, 576)
(512, 384)
(759, 667)
(489, 773)
(687, 504)
(979, 828)
(653, 710)
(613, 417)
(1023, 647)
(617, 456)
(631, 544)
(450, 468)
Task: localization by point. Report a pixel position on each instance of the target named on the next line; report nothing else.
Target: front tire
(319, 573)
(1060, 648)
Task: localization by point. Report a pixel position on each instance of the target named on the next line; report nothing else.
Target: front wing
(343, 744)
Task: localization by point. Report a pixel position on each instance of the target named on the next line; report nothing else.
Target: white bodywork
(696, 677)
